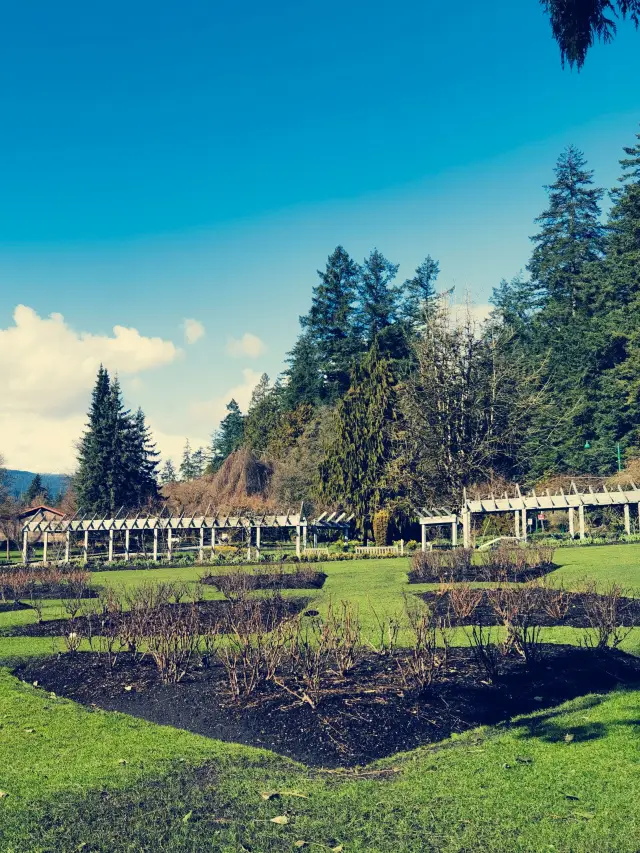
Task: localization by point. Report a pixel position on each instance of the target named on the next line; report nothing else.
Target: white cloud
(47, 370)
(211, 412)
(193, 330)
(248, 345)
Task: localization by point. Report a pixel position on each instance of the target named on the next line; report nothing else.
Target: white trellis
(208, 526)
(520, 504)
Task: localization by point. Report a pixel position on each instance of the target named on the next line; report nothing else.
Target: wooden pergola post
(126, 544)
(155, 544)
(517, 523)
(454, 533)
(258, 542)
(304, 537)
(524, 523)
(67, 546)
(424, 537)
(572, 522)
(169, 543)
(45, 547)
(25, 547)
(85, 547)
(581, 521)
(466, 527)
(111, 534)
(627, 520)
(298, 541)
(213, 541)
(201, 548)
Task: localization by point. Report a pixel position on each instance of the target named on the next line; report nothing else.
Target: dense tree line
(389, 400)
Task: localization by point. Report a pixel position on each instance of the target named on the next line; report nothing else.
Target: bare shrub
(427, 657)
(554, 600)
(172, 638)
(387, 631)
(486, 652)
(235, 585)
(604, 609)
(343, 636)
(455, 564)
(525, 628)
(464, 600)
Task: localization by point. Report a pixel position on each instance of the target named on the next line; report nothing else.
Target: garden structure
(166, 532)
(521, 504)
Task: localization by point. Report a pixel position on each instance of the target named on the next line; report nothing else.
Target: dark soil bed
(10, 606)
(365, 716)
(576, 615)
(272, 580)
(211, 613)
(481, 574)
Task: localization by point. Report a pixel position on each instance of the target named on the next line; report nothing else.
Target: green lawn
(567, 779)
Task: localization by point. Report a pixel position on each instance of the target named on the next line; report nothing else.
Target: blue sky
(162, 162)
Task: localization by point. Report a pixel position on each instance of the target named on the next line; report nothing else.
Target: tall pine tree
(571, 235)
(117, 460)
(330, 323)
(228, 437)
(354, 469)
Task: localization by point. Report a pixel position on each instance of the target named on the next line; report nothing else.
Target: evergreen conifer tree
(420, 298)
(117, 461)
(228, 437)
(354, 469)
(570, 237)
(263, 415)
(186, 465)
(304, 376)
(331, 321)
(94, 451)
(168, 473)
(36, 490)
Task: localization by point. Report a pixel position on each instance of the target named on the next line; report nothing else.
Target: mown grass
(561, 780)
(77, 779)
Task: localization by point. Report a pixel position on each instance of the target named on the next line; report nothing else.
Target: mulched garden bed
(575, 617)
(481, 574)
(10, 606)
(367, 715)
(272, 580)
(211, 613)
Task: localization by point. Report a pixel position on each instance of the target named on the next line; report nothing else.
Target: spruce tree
(331, 321)
(228, 437)
(420, 298)
(35, 490)
(378, 297)
(263, 415)
(356, 459)
(144, 460)
(198, 462)
(117, 461)
(570, 237)
(94, 451)
(304, 377)
(168, 473)
(186, 465)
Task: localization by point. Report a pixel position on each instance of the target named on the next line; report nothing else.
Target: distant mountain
(19, 481)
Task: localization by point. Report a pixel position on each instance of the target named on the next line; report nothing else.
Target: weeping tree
(577, 24)
(359, 449)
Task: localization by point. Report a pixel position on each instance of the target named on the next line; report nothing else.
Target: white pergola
(520, 505)
(206, 524)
